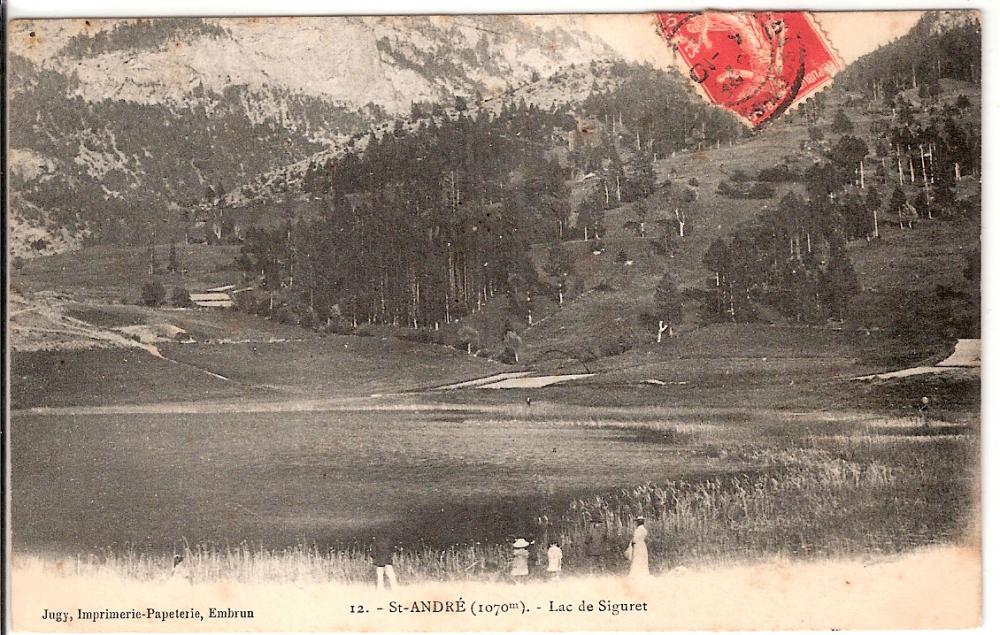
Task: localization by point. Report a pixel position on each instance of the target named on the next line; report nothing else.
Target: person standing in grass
(922, 407)
(519, 567)
(382, 550)
(555, 560)
(637, 553)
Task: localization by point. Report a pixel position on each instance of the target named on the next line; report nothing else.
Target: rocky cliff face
(117, 127)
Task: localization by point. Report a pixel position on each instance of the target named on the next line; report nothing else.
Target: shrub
(468, 339)
(779, 173)
(725, 188)
(338, 325)
(307, 318)
(180, 297)
(153, 294)
(760, 190)
(366, 330)
(511, 348)
(285, 315)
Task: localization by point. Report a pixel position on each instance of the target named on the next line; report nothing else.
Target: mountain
(118, 127)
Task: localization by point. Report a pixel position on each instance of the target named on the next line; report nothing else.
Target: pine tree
(897, 203)
(841, 124)
(643, 183)
(943, 197)
(152, 262)
(841, 279)
(173, 263)
(559, 266)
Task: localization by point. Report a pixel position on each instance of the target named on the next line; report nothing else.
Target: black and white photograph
(617, 322)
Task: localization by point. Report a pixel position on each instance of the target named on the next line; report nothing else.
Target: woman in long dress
(637, 551)
(519, 565)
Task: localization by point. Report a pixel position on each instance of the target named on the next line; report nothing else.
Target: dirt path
(965, 355)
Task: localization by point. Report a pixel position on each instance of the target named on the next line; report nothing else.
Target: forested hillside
(505, 213)
(434, 220)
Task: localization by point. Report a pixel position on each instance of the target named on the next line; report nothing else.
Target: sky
(852, 33)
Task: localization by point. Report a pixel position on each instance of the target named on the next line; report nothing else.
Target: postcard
(635, 322)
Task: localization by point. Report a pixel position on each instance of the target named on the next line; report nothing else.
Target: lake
(438, 476)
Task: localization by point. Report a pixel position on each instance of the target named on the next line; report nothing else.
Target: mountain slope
(119, 127)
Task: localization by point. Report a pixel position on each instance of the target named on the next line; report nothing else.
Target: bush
(727, 189)
(338, 326)
(760, 190)
(180, 297)
(779, 173)
(757, 190)
(153, 294)
(307, 318)
(366, 330)
(468, 339)
(285, 315)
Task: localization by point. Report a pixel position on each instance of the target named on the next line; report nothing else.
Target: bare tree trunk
(660, 330)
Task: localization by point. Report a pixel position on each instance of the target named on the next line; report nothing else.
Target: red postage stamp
(756, 64)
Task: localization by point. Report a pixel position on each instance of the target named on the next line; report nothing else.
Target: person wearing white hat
(637, 552)
(519, 567)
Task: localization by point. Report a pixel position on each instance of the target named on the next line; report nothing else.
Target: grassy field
(110, 274)
(316, 367)
(111, 376)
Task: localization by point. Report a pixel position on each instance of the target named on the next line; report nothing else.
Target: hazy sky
(852, 33)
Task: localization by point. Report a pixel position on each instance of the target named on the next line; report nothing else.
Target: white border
(991, 142)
